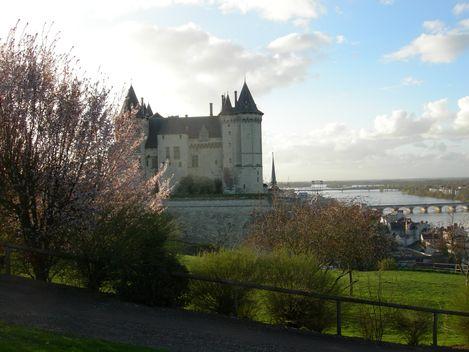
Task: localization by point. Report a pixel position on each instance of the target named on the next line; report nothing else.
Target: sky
(350, 89)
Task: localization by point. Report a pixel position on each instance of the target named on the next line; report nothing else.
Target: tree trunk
(41, 267)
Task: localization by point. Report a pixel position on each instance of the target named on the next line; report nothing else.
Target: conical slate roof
(246, 103)
(149, 110)
(131, 101)
(226, 107)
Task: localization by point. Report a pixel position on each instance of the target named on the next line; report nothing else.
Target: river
(376, 197)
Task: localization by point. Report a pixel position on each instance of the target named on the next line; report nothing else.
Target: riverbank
(462, 196)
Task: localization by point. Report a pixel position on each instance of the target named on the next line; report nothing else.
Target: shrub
(413, 326)
(236, 265)
(142, 266)
(387, 264)
(97, 248)
(128, 253)
(373, 320)
(192, 185)
(300, 272)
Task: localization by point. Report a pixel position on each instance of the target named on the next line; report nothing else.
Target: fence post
(7, 260)
(435, 329)
(339, 318)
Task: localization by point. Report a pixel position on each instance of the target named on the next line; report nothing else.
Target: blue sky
(351, 89)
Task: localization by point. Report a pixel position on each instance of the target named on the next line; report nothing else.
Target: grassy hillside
(436, 290)
(14, 338)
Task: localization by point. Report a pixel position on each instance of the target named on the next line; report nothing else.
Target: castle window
(176, 153)
(230, 160)
(147, 160)
(258, 179)
(168, 155)
(154, 162)
(195, 161)
(180, 136)
(180, 164)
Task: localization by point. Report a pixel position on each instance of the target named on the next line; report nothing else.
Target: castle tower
(242, 143)
(143, 112)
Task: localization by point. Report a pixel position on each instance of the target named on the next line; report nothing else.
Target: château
(226, 148)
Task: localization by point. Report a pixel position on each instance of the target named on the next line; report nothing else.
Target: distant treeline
(455, 194)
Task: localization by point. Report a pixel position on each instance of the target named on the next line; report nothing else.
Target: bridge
(363, 188)
(419, 208)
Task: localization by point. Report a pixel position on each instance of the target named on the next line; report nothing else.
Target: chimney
(141, 99)
(211, 109)
(236, 98)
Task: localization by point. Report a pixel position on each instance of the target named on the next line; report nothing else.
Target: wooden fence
(9, 248)
(442, 267)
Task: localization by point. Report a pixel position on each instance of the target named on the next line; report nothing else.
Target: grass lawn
(436, 290)
(14, 338)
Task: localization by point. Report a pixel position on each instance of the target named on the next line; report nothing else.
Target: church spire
(273, 181)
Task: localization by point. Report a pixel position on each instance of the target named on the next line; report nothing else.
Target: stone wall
(216, 221)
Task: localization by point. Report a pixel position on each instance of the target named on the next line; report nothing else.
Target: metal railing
(9, 248)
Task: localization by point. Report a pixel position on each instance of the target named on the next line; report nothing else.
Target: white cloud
(462, 119)
(460, 8)
(276, 10)
(438, 110)
(411, 81)
(400, 124)
(387, 2)
(435, 26)
(301, 11)
(398, 144)
(340, 39)
(405, 82)
(464, 23)
(443, 46)
(295, 42)
(198, 66)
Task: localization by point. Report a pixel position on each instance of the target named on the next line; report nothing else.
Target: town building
(403, 229)
(225, 148)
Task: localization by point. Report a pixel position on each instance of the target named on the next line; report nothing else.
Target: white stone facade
(227, 147)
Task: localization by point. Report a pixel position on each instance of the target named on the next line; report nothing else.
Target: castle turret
(242, 143)
(130, 101)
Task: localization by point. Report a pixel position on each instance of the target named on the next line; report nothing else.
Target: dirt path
(83, 313)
